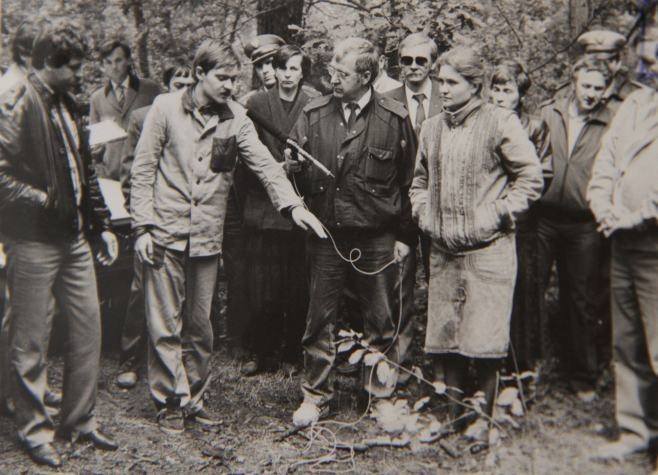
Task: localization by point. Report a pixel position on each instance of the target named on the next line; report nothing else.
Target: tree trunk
(142, 37)
(277, 15)
(579, 12)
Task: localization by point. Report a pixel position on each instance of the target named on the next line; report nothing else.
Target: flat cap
(263, 46)
(601, 41)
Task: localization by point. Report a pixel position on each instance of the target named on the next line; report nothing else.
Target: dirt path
(556, 437)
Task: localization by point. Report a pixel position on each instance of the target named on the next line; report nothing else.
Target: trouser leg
(32, 268)
(4, 352)
(580, 288)
(327, 280)
(133, 332)
(197, 335)
(405, 283)
(375, 294)
(546, 251)
(77, 294)
(635, 351)
(164, 287)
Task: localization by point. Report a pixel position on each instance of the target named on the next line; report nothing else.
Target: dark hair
(109, 46)
(467, 62)
(23, 40)
(367, 57)
(587, 63)
(511, 71)
(212, 54)
(175, 71)
(56, 45)
(288, 51)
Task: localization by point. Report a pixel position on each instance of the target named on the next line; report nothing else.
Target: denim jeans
(329, 275)
(36, 272)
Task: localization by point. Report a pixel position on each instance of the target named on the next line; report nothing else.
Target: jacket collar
(222, 111)
(602, 113)
(133, 83)
(49, 96)
(459, 116)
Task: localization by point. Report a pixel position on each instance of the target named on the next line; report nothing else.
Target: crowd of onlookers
(321, 208)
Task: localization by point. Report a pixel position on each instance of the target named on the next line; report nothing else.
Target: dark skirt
(276, 287)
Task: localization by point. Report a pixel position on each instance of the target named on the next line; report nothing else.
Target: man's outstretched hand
(305, 220)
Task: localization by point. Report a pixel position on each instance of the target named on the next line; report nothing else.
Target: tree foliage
(541, 33)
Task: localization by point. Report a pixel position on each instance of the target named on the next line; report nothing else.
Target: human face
(67, 77)
(117, 65)
(590, 86)
(416, 74)
(216, 85)
(179, 82)
(647, 52)
(265, 72)
(291, 74)
(455, 89)
(348, 85)
(505, 95)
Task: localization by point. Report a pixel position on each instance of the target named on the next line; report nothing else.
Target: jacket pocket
(486, 221)
(224, 154)
(379, 165)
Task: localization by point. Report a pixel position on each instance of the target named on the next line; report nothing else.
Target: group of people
(314, 200)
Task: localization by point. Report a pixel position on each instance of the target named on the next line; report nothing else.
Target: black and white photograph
(329, 236)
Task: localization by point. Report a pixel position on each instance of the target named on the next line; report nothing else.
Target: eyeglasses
(341, 74)
(409, 60)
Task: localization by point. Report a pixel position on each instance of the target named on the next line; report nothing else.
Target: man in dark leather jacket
(50, 204)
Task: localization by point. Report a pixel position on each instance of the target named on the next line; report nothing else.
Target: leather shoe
(45, 454)
(101, 441)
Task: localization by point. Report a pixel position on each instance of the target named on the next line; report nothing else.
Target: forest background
(540, 33)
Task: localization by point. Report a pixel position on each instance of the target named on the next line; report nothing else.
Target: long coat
(104, 105)
(258, 210)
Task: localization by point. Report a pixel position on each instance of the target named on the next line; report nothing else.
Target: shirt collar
(125, 83)
(426, 89)
(361, 103)
(223, 111)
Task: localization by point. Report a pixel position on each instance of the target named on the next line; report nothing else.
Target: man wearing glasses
(420, 95)
(367, 142)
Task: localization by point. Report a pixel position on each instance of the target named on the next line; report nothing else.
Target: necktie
(120, 94)
(420, 111)
(353, 108)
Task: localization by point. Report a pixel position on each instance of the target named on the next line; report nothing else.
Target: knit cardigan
(476, 172)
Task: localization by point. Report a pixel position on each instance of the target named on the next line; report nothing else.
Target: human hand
(144, 248)
(305, 220)
(293, 163)
(400, 251)
(109, 254)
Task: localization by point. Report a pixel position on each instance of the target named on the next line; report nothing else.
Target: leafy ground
(556, 436)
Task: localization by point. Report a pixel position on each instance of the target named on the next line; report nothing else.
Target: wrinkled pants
(179, 291)
(36, 272)
(634, 301)
(133, 331)
(328, 276)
